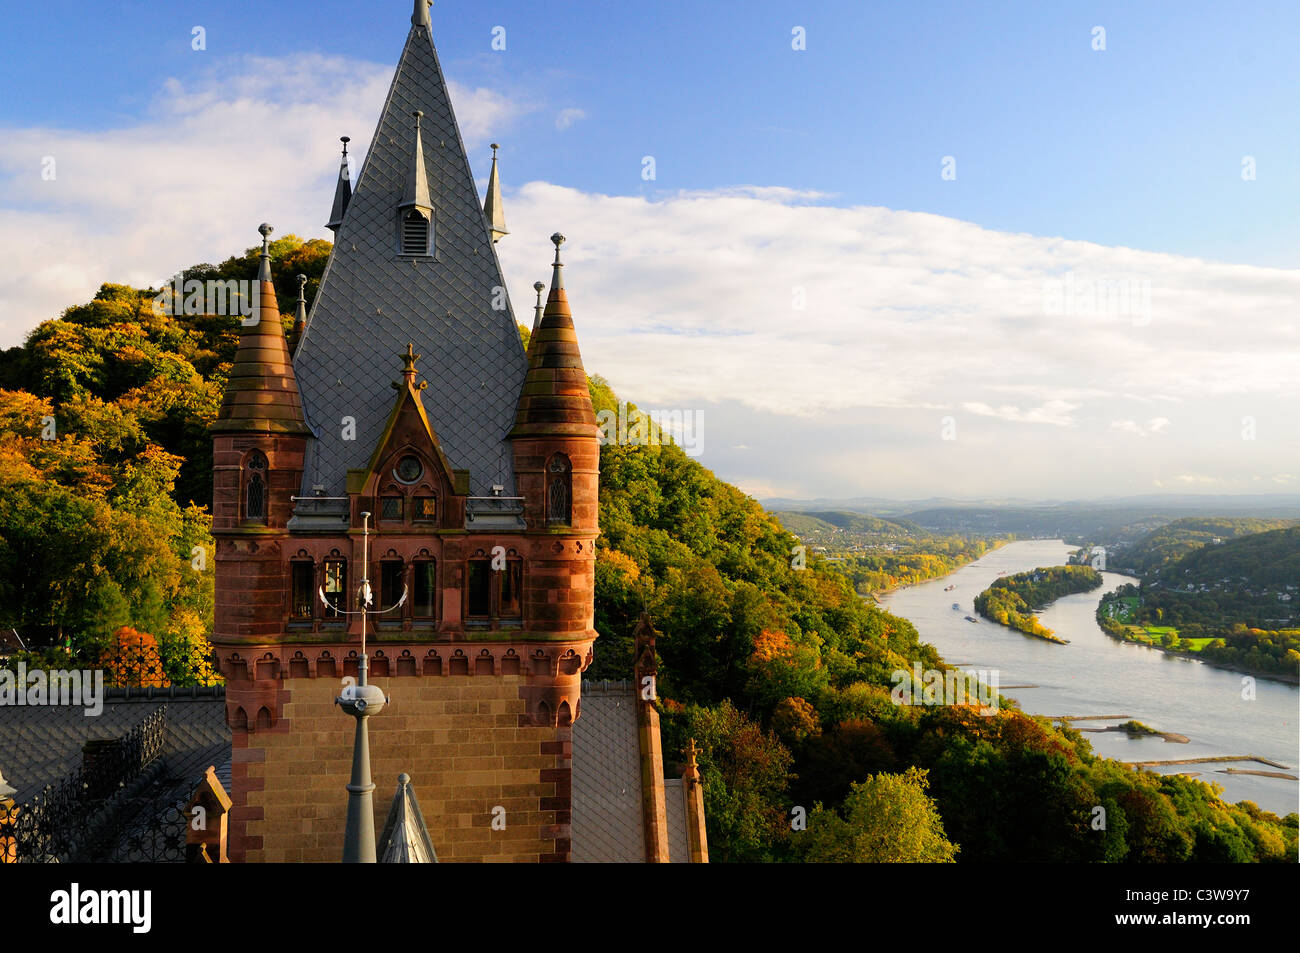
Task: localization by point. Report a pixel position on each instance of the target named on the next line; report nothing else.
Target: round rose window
(409, 469)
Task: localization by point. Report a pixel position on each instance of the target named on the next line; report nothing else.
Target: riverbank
(1120, 633)
(1096, 674)
(877, 595)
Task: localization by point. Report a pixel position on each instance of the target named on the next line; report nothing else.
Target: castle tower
(409, 397)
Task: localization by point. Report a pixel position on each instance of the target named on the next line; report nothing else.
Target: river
(1098, 675)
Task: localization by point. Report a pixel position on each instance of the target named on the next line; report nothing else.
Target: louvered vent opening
(415, 234)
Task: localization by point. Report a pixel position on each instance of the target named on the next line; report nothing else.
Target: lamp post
(360, 699)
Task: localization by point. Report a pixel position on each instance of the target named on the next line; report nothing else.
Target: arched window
(255, 487)
(559, 490)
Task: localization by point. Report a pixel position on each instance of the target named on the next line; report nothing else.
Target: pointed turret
(342, 191)
(416, 193)
(539, 287)
(261, 392)
(424, 272)
(555, 398)
(299, 315)
(496, 215)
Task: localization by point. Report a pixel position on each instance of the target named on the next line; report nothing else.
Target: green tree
(888, 818)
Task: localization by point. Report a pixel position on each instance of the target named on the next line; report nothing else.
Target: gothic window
(426, 509)
(255, 487)
(336, 587)
(302, 599)
(391, 508)
(390, 587)
(559, 490)
(495, 594)
(510, 581)
(415, 233)
(426, 589)
(479, 603)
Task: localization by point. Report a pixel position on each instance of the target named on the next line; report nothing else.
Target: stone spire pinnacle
(416, 194)
(299, 314)
(555, 398)
(557, 279)
(264, 269)
(539, 287)
(261, 391)
(420, 15)
(492, 208)
(342, 190)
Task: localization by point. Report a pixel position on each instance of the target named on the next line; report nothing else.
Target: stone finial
(692, 769)
(264, 271)
(420, 14)
(299, 314)
(643, 651)
(557, 280)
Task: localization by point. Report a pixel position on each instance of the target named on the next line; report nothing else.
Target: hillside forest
(776, 667)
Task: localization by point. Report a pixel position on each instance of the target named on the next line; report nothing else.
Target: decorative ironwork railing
(95, 813)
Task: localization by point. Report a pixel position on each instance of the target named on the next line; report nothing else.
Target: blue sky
(1139, 145)
(849, 322)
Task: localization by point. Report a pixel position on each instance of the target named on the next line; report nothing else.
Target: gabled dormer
(409, 484)
(415, 224)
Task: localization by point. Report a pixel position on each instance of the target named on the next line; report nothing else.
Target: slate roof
(606, 825)
(679, 846)
(372, 301)
(40, 745)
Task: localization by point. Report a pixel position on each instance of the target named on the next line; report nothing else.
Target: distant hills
(1174, 541)
(1115, 522)
(1267, 562)
(826, 526)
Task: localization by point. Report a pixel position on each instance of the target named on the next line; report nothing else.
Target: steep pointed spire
(555, 398)
(496, 215)
(342, 190)
(299, 315)
(371, 301)
(261, 392)
(405, 839)
(416, 193)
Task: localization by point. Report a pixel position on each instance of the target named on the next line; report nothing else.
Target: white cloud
(848, 331)
(254, 140)
(567, 117)
(1054, 412)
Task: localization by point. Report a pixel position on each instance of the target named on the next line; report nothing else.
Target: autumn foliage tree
(132, 658)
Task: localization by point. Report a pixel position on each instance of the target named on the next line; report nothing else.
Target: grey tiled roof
(607, 822)
(40, 745)
(371, 302)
